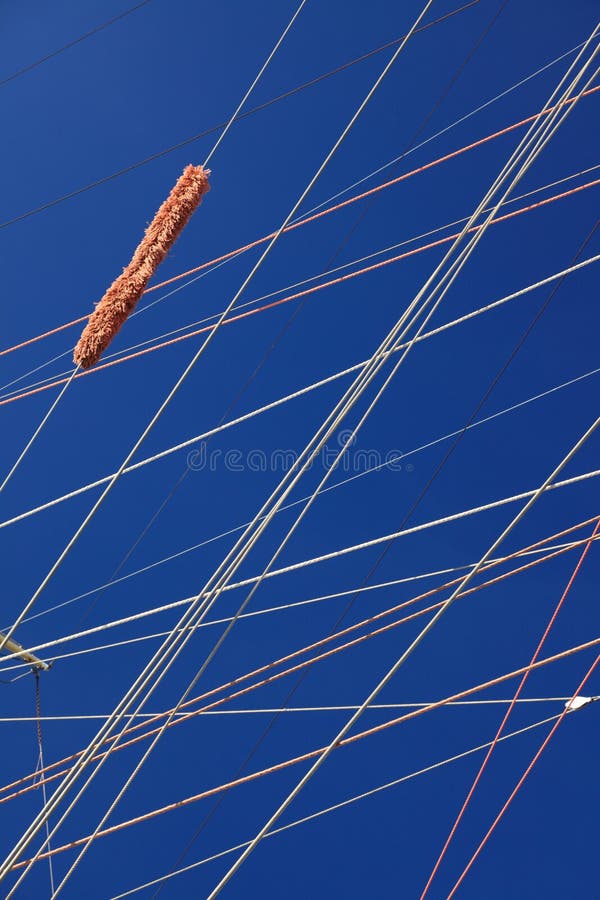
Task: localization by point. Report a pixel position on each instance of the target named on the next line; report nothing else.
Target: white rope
(540, 136)
(115, 623)
(445, 130)
(531, 146)
(394, 669)
(334, 807)
(294, 567)
(37, 431)
(227, 567)
(367, 471)
(322, 383)
(144, 308)
(211, 318)
(288, 709)
(182, 378)
(550, 548)
(169, 646)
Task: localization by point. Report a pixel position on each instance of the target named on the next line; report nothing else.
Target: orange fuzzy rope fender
(123, 294)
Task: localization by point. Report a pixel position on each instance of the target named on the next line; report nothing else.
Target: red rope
(266, 669)
(312, 218)
(311, 754)
(296, 296)
(524, 777)
(507, 715)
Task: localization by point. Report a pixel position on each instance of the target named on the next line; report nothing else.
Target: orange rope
(498, 735)
(314, 217)
(311, 754)
(308, 291)
(524, 777)
(272, 678)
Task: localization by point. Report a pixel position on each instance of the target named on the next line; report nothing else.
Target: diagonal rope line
(147, 673)
(216, 128)
(359, 736)
(548, 131)
(553, 550)
(266, 669)
(39, 429)
(506, 717)
(73, 43)
(341, 805)
(524, 777)
(182, 377)
(40, 768)
(307, 218)
(126, 355)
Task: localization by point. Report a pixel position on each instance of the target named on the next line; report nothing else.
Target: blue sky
(159, 75)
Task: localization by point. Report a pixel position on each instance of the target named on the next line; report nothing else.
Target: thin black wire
(82, 37)
(221, 125)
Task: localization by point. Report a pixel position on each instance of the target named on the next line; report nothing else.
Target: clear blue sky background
(161, 74)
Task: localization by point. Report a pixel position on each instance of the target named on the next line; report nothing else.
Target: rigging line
(194, 547)
(155, 664)
(439, 102)
(384, 185)
(268, 667)
(523, 778)
(116, 354)
(148, 672)
(361, 735)
(211, 708)
(506, 717)
(237, 253)
(38, 430)
(555, 550)
(98, 629)
(341, 805)
(290, 709)
(280, 335)
(476, 410)
(215, 128)
(548, 111)
(323, 382)
(300, 603)
(225, 319)
(276, 342)
(236, 562)
(314, 560)
(297, 223)
(178, 382)
(440, 466)
(552, 552)
(197, 546)
(401, 659)
(261, 72)
(438, 134)
(73, 43)
(38, 721)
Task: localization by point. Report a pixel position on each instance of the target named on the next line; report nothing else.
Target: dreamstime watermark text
(354, 460)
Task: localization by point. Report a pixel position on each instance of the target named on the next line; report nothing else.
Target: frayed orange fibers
(120, 299)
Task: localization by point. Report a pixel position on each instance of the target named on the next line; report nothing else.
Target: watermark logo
(354, 460)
